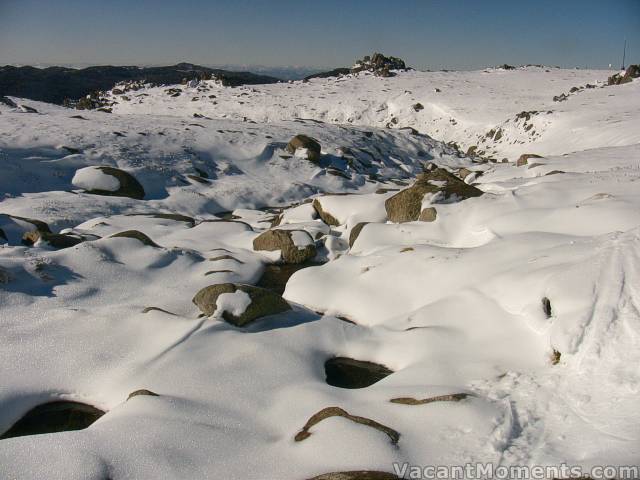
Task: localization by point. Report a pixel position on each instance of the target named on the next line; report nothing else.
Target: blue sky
(427, 34)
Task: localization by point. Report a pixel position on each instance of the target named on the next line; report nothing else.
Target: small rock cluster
(379, 65)
(633, 71)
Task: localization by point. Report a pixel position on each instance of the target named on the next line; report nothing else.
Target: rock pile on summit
(379, 64)
(633, 71)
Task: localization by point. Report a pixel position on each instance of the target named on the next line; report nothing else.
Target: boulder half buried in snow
(239, 304)
(306, 143)
(108, 181)
(52, 417)
(296, 246)
(436, 185)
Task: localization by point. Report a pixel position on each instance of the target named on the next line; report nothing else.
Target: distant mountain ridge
(55, 84)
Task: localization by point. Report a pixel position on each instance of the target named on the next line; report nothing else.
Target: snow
(92, 178)
(234, 303)
(451, 306)
(301, 239)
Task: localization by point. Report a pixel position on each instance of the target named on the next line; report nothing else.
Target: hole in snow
(52, 417)
(346, 372)
(546, 307)
(276, 276)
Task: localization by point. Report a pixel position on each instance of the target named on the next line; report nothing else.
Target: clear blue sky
(427, 34)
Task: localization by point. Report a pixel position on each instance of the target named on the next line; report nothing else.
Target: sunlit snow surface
(451, 306)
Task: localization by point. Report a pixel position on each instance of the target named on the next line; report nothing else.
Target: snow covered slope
(505, 113)
(505, 330)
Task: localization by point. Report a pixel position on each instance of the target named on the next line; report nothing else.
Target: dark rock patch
(406, 205)
(546, 307)
(428, 214)
(52, 417)
(633, 71)
(276, 239)
(157, 309)
(357, 475)
(225, 257)
(329, 412)
(143, 392)
(168, 216)
(263, 302)
(324, 215)
(524, 159)
(344, 372)
(56, 240)
(129, 186)
(276, 276)
(453, 397)
(8, 102)
(141, 237)
(304, 141)
(355, 233)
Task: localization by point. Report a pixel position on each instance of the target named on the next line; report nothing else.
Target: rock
(355, 232)
(263, 302)
(27, 109)
(143, 391)
(141, 237)
(379, 64)
(344, 372)
(276, 276)
(633, 71)
(406, 205)
(4, 276)
(329, 412)
(13, 228)
(454, 397)
(428, 214)
(555, 357)
(8, 102)
(310, 144)
(464, 173)
(418, 106)
(357, 475)
(157, 309)
(524, 159)
(128, 185)
(283, 240)
(71, 150)
(56, 240)
(546, 307)
(58, 416)
(168, 216)
(325, 216)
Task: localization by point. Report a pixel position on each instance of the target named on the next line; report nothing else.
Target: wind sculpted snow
(517, 311)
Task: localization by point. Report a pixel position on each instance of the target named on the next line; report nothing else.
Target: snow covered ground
(520, 306)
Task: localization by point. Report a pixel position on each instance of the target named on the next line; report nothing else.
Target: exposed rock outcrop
(347, 372)
(135, 234)
(329, 412)
(311, 145)
(86, 179)
(441, 185)
(355, 232)
(324, 215)
(55, 240)
(632, 71)
(379, 64)
(263, 302)
(58, 416)
(296, 246)
(524, 159)
(357, 475)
